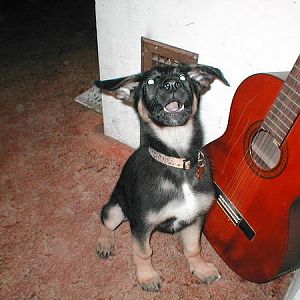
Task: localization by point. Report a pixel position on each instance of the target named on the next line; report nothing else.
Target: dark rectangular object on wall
(154, 53)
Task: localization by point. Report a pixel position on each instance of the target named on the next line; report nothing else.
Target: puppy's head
(168, 95)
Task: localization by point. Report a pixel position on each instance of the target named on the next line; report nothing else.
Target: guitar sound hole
(264, 151)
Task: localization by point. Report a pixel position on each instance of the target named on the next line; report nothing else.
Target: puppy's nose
(171, 85)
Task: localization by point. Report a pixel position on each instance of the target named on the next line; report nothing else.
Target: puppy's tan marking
(195, 105)
(147, 277)
(190, 237)
(106, 241)
(143, 112)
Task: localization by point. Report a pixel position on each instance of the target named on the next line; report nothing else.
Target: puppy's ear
(120, 88)
(205, 75)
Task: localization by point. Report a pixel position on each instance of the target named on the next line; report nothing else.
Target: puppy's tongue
(173, 106)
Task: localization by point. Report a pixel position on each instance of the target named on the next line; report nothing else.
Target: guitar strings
(289, 93)
(266, 144)
(245, 173)
(233, 186)
(285, 108)
(243, 177)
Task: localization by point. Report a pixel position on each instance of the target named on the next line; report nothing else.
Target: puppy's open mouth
(174, 107)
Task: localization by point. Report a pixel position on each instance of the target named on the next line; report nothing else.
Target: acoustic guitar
(255, 223)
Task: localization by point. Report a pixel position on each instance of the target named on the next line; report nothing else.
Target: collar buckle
(186, 164)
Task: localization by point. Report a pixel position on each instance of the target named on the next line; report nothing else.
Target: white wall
(239, 37)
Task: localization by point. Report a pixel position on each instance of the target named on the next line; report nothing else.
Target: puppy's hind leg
(111, 217)
(190, 237)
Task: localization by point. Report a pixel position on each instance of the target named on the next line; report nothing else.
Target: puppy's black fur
(152, 195)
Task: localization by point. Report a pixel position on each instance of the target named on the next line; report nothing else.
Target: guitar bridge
(233, 213)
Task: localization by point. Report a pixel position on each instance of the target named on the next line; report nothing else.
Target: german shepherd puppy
(166, 184)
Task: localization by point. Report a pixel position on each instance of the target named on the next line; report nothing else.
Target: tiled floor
(57, 169)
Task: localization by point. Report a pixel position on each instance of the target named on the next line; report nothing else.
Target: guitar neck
(285, 108)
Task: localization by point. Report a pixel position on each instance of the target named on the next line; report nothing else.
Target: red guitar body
(269, 200)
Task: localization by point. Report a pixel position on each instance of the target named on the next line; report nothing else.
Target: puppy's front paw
(207, 274)
(150, 282)
(105, 247)
(204, 271)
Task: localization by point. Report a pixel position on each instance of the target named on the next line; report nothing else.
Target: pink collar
(180, 163)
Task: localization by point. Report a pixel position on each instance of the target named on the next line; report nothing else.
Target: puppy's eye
(182, 77)
(150, 81)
